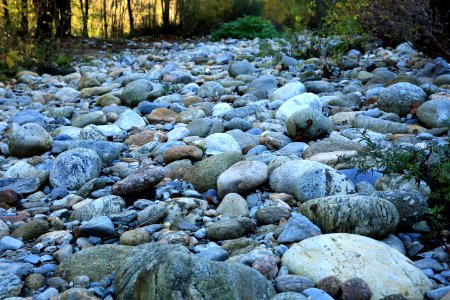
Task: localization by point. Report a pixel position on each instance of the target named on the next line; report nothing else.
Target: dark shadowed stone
(271, 214)
(31, 230)
(330, 285)
(355, 289)
(297, 229)
(230, 229)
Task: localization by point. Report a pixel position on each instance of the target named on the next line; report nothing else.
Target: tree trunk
(85, 17)
(64, 16)
(24, 18)
(45, 10)
(6, 13)
(166, 15)
(105, 23)
(130, 15)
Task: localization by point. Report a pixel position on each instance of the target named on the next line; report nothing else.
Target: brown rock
(31, 230)
(162, 115)
(330, 285)
(177, 169)
(267, 266)
(35, 281)
(355, 289)
(182, 152)
(143, 179)
(10, 197)
(142, 138)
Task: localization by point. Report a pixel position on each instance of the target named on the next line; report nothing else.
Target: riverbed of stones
(201, 170)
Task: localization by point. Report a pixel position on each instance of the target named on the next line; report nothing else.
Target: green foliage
(248, 27)
(431, 165)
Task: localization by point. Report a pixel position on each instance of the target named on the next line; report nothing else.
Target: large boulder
(435, 112)
(261, 87)
(307, 100)
(95, 262)
(287, 91)
(308, 124)
(28, 140)
(308, 180)
(384, 269)
(242, 177)
(73, 168)
(240, 67)
(154, 271)
(401, 98)
(364, 215)
(205, 173)
(140, 90)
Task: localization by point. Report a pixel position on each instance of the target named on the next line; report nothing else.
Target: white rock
(67, 94)
(287, 91)
(129, 119)
(221, 108)
(295, 103)
(345, 256)
(221, 142)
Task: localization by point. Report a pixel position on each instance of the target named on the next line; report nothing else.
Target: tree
(84, 6)
(24, 18)
(130, 15)
(6, 13)
(64, 15)
(45, 10)
(165, 4)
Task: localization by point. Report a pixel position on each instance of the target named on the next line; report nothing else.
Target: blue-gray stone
(107, 151)
(355, 177)
(317, 294)
(27, 116)
(45, 269)
(20, 185)
(214, 253)
(146, 107)
(99, 226)
(47, 294)
(429, 263)
(10, 243)
(437, 294)
(297, 229)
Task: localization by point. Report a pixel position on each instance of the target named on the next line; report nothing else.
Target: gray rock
(435, 112)
(28, 140)
(213, 253)
(4, 229)
(314, 293)
(308, 180)
(230, 229)
(287, 91)
(240, 67)
(438, 293)
(91, 132)
(137, 277)
(306, 100)
(292, 283)
(261, 87)
(318, 87)
(211, 89)
(140, 90)
(95, 262)
(363, 215)
(242, 177)
(411, 205)
(10, 286)
(27, 116)
(10, 243)
(271, 214)
(290, 296)
(218, 143)
(101, 226)
(240, 112)
(107, 151)
(379, 125)
(20, 185)
(297, 229)
(152, 214)
(73, 168)
(129, 119)
(308, 124)
(143, 179)
(205, 173)
(67, 94)
(233, 205)
(400, 98)
(104, 206)
(95, 118)
(205, 127)
(395, 243)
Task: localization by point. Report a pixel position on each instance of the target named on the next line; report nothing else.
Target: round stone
(401, 98)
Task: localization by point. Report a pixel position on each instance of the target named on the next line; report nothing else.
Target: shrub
(424, 23)
(430, 165)
(248, 27)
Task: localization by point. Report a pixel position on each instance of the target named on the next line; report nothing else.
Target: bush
(424, 23)
(248, 27)
(431, 165)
